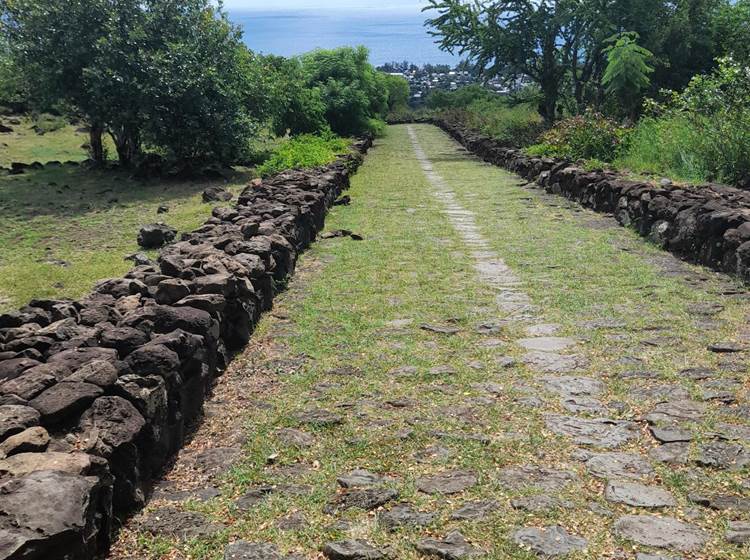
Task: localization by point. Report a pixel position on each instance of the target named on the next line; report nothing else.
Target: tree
(628, 72)
(164, 72)
(352, 91)
(732, 30)
(513, 38)
(398, 91)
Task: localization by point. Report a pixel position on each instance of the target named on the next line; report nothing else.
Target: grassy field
(64, 228)
(415, 403)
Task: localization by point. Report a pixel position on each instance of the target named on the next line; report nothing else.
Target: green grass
(25, 145)
(89, 219)
(412, 266)
(304, 152)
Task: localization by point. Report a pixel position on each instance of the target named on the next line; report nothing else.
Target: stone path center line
(489, 265)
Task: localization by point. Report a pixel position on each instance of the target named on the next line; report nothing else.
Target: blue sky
(389, 5)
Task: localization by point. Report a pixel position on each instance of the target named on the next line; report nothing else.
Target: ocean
(390, 35)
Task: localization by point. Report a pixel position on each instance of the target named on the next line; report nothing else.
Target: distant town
(427, 78)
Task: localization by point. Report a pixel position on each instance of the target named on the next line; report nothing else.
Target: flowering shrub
(587, 136)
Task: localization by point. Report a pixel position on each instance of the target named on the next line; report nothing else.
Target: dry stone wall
(706, 224)
(96, 394)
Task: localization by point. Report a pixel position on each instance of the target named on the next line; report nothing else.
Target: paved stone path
(532, 431)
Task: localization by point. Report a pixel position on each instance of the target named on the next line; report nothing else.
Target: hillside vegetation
(649, 87)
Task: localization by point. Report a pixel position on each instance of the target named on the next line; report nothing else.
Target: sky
(389, 5)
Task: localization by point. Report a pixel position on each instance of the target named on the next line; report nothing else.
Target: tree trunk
(127, 145)
(96, 146)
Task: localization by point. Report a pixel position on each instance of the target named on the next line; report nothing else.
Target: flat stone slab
(676, 411)
(453, 547)
(358, 479)
(738, 532)
(671, 453)
(671, 433)
(352, 549)
(366, 499)
(550, 541)
(619, 466)
(544, 329)
(298, 438)
(567, 386)
(440, 329)
(584, 405)
(664, 392)
(660, 532)
(531, 476)
(540, 503)
(546, 343)
(721, 502)
(638, 495)
(723, 456)
(182, 525)
(320, 418)
(449, 482)
(598, 432)
(476, 510)
(242, 550)
(404, 515)
(549, 362)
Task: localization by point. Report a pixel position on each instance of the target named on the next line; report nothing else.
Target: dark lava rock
(476, 510)
(404, 515)
(449, 482)
(676, 411)
(110, 423)
(30, 440)
(671, 434)
(16, 418)
(154, 236)
(638, 495)
(10, 369)
(660, 532)
(182, 525)
(366, 499)
(550, 541)
(353, 549)
(64, 400)
(216, 194)
(453, 547)
(101, 373)
(46, 513)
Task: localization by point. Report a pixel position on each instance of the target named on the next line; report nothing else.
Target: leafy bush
(588, 136)
(514, 123)
(352, 91)
(702, 133)
(304, 152)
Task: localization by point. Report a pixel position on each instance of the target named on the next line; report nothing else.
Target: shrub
(502, 118)
(702, 133)
(352, 91)
(588, 136)
(304, 152)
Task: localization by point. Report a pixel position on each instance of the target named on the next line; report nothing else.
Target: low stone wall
(97, 394)
(706, 224)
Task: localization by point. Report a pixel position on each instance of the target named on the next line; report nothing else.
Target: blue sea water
(390, 35)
